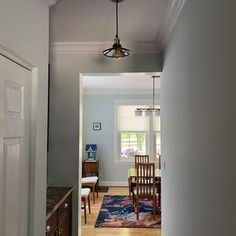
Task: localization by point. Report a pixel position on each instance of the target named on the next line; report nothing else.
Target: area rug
(118, 211)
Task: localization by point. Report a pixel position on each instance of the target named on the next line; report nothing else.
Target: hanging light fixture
(117, 51)
(150, 110)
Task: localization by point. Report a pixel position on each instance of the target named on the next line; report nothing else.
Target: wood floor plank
(89, 229)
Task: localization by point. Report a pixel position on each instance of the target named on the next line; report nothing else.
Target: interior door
(15, 103)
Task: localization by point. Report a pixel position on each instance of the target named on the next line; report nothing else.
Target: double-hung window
(135, 134)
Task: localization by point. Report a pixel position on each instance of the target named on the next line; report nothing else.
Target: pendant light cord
(117, 18)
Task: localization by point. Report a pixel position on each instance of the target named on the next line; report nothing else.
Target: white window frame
(150, 144)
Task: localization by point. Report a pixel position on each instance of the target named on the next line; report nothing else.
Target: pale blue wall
(100, 108)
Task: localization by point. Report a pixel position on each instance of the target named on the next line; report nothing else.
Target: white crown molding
(52, 2)
(173, 11)
(98, 47)
(118, 92)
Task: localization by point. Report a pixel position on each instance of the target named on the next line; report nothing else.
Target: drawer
(67, 203)
(51, 223)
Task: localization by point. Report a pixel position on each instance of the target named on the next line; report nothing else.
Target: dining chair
(141, 159)
(137, 159)
(85, 197)
(90, 182)
(145, 186)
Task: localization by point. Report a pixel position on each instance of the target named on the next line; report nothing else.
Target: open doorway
(108, 103)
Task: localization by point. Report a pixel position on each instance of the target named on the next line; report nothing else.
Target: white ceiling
(137, 83)
(94, 20)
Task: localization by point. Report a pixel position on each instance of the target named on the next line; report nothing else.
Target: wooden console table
(90, 168)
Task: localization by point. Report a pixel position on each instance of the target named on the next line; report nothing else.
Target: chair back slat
(145, 179)
(141, 159)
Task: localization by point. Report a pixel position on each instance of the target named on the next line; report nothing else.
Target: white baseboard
(113, 184)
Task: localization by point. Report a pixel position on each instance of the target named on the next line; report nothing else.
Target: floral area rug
(118, 211)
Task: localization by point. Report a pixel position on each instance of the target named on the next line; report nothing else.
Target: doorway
(100, 94)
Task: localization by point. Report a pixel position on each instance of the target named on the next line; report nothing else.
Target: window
(132, 143)
(135, 134)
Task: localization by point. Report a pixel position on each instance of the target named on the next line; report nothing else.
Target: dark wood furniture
(146, 187)
(85, 198)
(132, 181)
(59, 211)
(140, 159)
(91, 168)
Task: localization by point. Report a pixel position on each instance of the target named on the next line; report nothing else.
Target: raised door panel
(15, 108)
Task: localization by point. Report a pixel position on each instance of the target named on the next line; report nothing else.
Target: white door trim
(9, 54)
(80, 148)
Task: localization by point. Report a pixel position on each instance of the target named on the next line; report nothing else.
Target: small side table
(91, 168)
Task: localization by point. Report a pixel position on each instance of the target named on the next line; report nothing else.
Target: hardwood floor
(89, 229)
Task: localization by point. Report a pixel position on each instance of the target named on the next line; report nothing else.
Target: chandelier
(150, 110)
(116, 51)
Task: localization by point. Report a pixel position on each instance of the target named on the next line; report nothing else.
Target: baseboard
(113, 184)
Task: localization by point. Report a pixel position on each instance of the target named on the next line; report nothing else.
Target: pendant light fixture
(150, 110)
(117, 51)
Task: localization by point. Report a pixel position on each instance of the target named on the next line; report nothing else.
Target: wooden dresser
(59, 211)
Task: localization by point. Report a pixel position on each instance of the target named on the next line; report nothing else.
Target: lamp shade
(157, 112)
(138, 112)
(90, 147)
(148, 112)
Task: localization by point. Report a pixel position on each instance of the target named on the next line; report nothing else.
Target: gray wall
(100, 108)
(63, 158)
(24, 30)
(198, 100)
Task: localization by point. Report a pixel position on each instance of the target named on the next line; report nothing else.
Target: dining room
(122, 147)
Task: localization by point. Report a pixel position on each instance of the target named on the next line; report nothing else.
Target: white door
(15, 103)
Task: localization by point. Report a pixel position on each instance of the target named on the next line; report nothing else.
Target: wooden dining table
(132, 174)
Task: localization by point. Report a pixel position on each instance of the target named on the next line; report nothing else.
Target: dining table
(132, 174)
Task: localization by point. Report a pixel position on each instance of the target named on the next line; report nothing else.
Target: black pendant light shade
(116, 51)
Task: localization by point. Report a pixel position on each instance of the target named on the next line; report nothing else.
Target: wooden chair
(90, 182)
(141, 159)
(85, 197)
(145, 188)
(138, 159)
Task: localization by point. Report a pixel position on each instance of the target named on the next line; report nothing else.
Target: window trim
(150, 141)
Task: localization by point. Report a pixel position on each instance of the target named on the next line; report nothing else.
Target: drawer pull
(66, 205)
(48, 228)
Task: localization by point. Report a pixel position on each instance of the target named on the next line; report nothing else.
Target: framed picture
(96, 126)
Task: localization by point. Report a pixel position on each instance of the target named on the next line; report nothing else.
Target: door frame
(10, 55)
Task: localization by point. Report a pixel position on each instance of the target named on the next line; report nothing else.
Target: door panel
(15, 103)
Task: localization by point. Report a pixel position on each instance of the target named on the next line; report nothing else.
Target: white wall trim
(98, 47)
(113, 183)
(119, 92)
(173, 11)
(15, 58)
(52, 2)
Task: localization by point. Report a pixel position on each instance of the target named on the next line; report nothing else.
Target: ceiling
(94, 20)
(86, 23)
(131, 83)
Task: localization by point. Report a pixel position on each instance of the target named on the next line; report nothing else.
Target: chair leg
(97, 188)
(85, 215)
(94, 193)
(89, 205)
(129, 184)
(137, 203)
(154, 207)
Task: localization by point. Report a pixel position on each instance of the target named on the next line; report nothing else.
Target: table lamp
(91, 149)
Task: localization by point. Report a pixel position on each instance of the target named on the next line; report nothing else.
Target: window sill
(123, 161)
